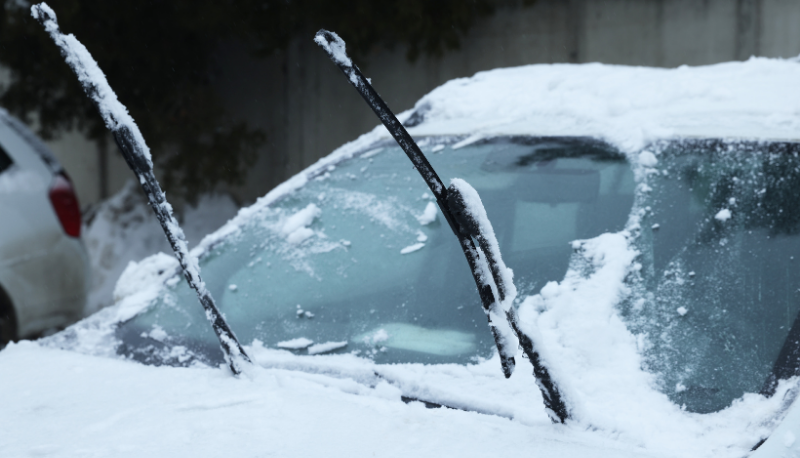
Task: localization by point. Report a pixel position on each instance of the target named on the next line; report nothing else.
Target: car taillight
(65, 203)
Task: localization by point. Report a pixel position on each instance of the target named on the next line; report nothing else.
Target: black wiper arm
(468, 223)
(136, 154)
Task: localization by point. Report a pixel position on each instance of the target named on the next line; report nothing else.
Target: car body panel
(783, 442)
(44, 272)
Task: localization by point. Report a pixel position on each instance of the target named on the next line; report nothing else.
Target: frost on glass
(328, 269)
(717, 291)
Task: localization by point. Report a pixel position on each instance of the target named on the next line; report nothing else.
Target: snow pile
(124, 229)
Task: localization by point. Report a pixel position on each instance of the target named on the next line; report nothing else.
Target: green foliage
(157, 55)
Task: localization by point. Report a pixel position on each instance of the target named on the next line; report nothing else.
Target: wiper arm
(137, 155)
(461, 207)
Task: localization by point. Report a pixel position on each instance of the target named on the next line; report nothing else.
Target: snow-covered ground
(88, 403)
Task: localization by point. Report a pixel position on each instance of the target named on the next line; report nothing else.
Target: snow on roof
(627, 106)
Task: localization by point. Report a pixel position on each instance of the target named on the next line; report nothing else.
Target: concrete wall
(306, 108)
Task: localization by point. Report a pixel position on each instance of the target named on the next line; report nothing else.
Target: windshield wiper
(462, 208)
(137, 155)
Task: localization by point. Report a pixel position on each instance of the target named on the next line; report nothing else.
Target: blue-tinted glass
(720, 285)
(343, 277)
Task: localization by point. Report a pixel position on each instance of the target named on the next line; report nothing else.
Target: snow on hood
(66, 404)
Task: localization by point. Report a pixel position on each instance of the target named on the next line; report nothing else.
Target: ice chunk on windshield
(326, 347)
(295, 344)
(412, 248)
(723, 215)
(295, 228)
(428, 215)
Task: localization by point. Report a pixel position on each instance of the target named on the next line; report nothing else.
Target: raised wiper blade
(137, 155)
(462, 208)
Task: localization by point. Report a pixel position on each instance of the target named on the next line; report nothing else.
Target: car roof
(626, 106)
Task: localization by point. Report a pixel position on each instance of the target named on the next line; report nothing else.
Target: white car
(649, 215)
(44, 270)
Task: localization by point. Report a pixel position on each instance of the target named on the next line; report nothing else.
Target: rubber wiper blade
(137, 155)
(469, 223)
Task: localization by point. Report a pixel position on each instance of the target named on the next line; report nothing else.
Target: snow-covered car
(649, 216)
(44, 271)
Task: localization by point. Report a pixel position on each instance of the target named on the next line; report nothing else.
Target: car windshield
(359, 260)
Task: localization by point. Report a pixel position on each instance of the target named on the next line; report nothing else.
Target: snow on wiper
(137, 155)
(462, 208)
